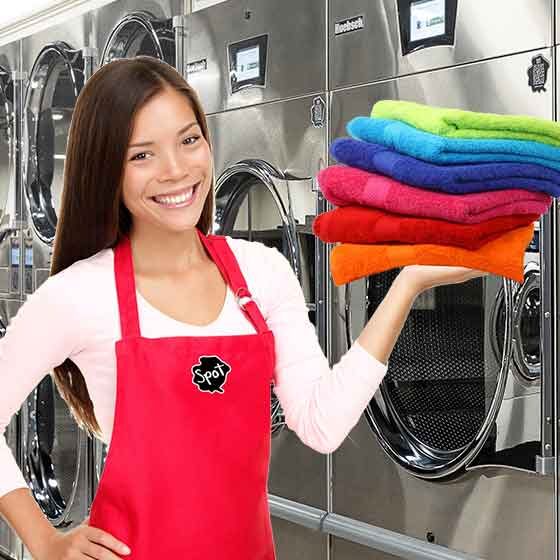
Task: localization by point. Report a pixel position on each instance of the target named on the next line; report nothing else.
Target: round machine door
(256, 202)
(437, 404)
(56, 79)
(527, 326)
(526, 345)
(7, 139)
(100, 451)
(140, 33)
(54, 449)
(8, 541)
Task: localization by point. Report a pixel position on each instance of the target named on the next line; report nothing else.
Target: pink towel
(345, 186)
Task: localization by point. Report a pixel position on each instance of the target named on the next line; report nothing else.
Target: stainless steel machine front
(372, 41)
(259, 200)
(128, 28)
(10, 544)
(11, 81)
(241, 53)
(457, 445)
(56, 61)
(55, 450)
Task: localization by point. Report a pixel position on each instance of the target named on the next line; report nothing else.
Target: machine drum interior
(441, 379)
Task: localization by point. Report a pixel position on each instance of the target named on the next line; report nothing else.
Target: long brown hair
(92, 216)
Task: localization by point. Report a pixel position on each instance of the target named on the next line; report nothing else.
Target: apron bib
(187, 470)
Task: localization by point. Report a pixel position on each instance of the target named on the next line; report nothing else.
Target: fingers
(99, 552)
(107, 541)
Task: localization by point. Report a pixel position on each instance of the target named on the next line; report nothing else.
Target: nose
(172, 167)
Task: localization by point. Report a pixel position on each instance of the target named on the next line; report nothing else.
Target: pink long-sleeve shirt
(74, 314)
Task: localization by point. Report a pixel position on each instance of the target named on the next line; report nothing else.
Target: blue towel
(457, 179)
(438, 149)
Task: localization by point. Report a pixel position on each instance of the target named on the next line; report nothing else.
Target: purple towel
(456, 179)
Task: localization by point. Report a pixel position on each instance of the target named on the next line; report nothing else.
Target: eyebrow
(149, 142)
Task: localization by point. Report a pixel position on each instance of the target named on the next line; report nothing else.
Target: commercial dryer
(128, 28)
(266, 107)
(55, 450)
(456, 448)
(11, 80)
(10, 544)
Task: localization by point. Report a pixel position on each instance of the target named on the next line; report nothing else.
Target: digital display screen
(247, 65)
(15, 255)
(427, 19)
(28, 256)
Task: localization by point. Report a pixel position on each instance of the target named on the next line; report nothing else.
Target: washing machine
(55, 450)
(11, 80)
(128, 28)
(266, 107)
(456, 448)
(10, 544)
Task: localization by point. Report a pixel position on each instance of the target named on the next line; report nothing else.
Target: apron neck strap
(222, 256)
(225, 260)
(126, 289)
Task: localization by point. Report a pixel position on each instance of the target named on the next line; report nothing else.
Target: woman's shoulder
(267, 271)
(80, 281)
(73, 303)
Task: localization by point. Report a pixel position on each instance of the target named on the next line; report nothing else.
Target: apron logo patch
(210, 374)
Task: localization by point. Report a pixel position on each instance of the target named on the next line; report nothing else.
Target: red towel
(345, 186)
(503, 256)
(358, 224)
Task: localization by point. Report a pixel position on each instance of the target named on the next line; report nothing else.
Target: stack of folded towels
(429, 185)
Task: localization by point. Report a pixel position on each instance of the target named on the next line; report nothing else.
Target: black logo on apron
(210, 374)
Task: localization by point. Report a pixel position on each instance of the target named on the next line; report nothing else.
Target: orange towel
(502, 256)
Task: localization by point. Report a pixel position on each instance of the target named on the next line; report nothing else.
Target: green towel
(455, 123)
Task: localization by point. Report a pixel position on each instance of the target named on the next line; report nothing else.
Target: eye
(138, 157)
(189, 140)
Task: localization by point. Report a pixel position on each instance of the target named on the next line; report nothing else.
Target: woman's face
(168, 166)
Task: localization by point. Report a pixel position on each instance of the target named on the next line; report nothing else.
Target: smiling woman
(133, 152)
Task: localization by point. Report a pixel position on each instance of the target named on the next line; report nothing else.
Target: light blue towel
(441, 150)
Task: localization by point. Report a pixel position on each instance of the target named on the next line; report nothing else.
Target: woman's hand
(424, 277)
(83, 543)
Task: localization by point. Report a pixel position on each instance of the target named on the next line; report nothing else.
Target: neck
(158, 252)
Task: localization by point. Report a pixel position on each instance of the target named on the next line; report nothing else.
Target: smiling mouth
(181, 197)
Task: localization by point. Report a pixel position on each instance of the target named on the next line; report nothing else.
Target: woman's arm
(42, 334)
(322, 404)
(44, 542)
(21, 511)
(384, 327)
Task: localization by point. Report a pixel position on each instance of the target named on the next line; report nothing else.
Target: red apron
(187, 469)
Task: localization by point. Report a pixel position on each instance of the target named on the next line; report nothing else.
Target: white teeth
(176, 199)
